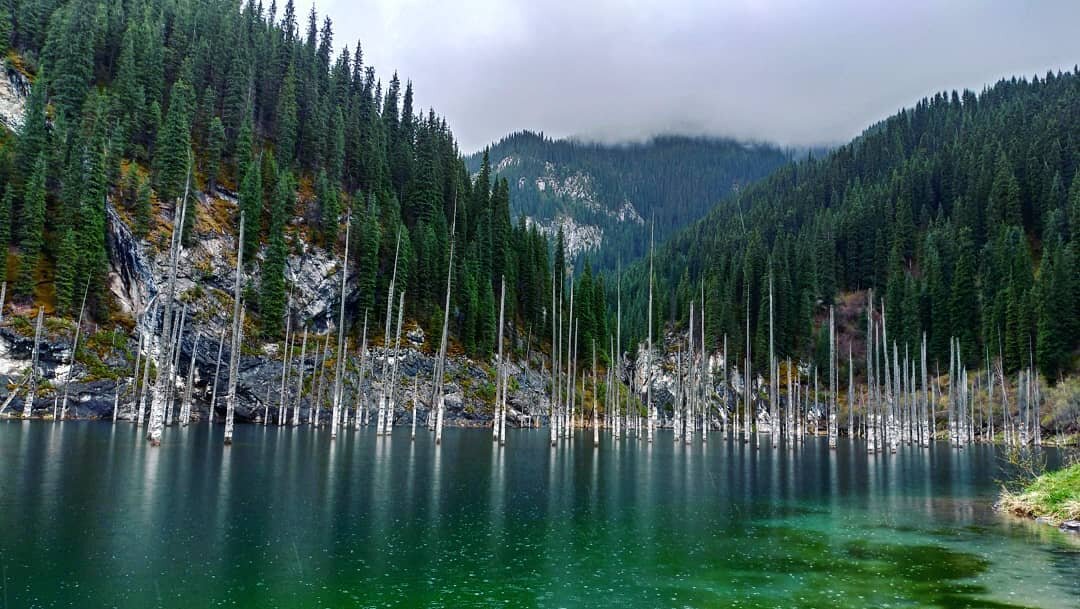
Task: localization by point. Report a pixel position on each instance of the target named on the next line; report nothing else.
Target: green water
(90, 516)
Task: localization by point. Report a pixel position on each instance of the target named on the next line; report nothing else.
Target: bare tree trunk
(145, 392)
(499, 372)
(361, 403)
(415, 404)
(388, 421)
(286, 363)
(175, 366)
(31, 391)
(135, 387)
(341, 332)
(596, 403)
(649, 346)
(833, 423)
(440, 365)
(164, 356)
(185, 410)
(217, 377)
(300, 380)
(74, 351)
(237, 331)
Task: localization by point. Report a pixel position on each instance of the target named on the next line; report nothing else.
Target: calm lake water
(90, 516)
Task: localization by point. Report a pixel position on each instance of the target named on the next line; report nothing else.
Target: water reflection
(91, 516)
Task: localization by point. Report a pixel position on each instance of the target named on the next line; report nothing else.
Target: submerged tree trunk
(185, 410)
(217, 376)
(499, 372)
(31, 390)
(237, 331)
(341, 338)
(74, 352)
(300, 380)
(649, 347)
(441, 363)
(164, 356)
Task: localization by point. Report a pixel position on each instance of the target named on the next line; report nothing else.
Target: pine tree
(5, 218)
(214, 149)
(251, 204)
(90, 227)
(286, 119)
(329, 209)
(964, 303)
(66, 258)
(1004, 194)
(33, 225)
(33, 136)
(5, 27)
(144, 208)
(69, 55)
(272, 296)
(173, 149)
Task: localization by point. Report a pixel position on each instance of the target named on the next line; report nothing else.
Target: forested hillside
(962, 214)
(132, 98)
(604, 196)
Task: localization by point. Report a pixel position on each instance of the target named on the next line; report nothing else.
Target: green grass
(1053, 495)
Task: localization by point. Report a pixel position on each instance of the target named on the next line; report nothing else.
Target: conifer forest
(618, 329)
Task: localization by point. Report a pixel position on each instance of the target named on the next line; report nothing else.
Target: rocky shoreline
(93, 397)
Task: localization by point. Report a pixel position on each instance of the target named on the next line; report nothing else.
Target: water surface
(90, 516)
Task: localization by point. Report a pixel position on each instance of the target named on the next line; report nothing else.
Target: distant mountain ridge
(604, 195)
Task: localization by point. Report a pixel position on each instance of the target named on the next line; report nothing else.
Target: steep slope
(962, 214)
(115, 119)
(267, 121)
(603, 196)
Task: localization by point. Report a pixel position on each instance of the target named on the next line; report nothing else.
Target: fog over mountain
(787, 71)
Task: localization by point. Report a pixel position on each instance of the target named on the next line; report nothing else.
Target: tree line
(670, 180)
(962, 214)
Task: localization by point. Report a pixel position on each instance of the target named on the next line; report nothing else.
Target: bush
(1063, 406)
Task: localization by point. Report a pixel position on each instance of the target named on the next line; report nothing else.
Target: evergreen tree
(214, 149)
(65, 272)
(33, 226)
(964, 301)
(272, 296)
(286, 118)
(251, 204)
(5, 26)
(329, 209)
(5, 218)
(1004, 194)
(69, 55)
(144, 209)
(173, 151)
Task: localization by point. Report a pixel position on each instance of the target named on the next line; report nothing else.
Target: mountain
(137, 106)
(962, 214)
(604, 196)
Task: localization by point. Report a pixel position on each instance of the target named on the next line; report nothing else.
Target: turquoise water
(90, 516)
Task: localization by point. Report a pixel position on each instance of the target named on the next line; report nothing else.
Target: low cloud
(796, 73)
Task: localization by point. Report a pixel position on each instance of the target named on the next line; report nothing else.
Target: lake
(91, 516)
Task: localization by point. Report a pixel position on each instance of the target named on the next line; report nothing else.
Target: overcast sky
(787, 71)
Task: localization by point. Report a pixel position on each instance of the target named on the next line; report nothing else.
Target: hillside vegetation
(135, 103)
(961, 214)
(612, 193)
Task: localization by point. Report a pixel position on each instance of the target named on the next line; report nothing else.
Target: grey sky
(792, 72)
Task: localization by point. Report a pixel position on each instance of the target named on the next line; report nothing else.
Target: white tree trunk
(341, 336)
(300, 380)
(31, 391)
(164, 355)
(237, 331)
